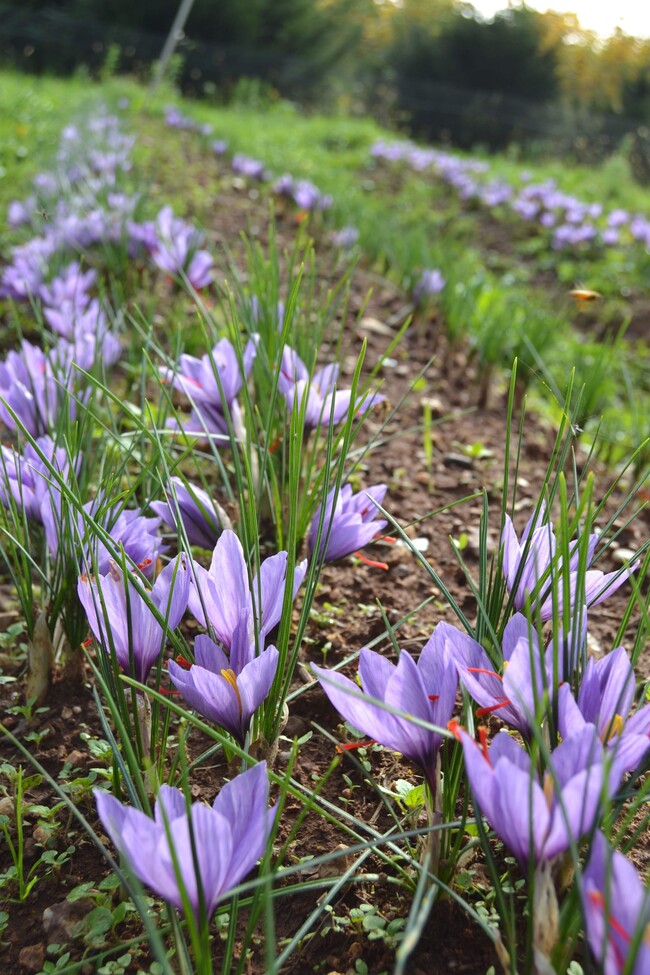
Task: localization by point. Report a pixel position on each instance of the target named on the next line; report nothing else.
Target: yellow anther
(548, 789)
(231, 678)
(615, 727)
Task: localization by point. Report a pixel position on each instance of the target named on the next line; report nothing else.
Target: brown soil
(450, 942)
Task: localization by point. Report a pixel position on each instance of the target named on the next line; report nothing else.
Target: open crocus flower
(221, 595)
(349, 524)
(214, 847)
(213, 688)
(324, 403)
(616, 908)
(123, 622)
(537, 820)
(202, 517)
(517, 694)
(533, 559)
(197, 379)
(426, 690)
(605, 697)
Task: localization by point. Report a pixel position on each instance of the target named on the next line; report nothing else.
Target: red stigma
(481, 712)
(370, 562)
(183, 662)
(481, 670)
(352, 746)
(454, 727)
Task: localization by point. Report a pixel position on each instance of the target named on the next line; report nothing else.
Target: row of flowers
(567, 221)
(575, 737)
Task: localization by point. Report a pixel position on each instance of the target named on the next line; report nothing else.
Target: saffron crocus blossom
(517, 694)
(177, 250)
(349, 524)
(537, 820)
(202, 517)
(431, 283)
(28, 478)
(324, 403)
(122, 621)
(128, 529)
(221, 595)
(605, 697)
(616, 908)
(426, 690)
(214, 847)
(213, 688)
(212, 397)
(527, 562)
(34, 388)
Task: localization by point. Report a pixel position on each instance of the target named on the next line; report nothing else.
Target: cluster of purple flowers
(303, 192)
(568, 221)
(560, 795)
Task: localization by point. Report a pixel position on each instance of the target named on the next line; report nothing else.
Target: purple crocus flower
(228, 837)
(28, 478)
(324, 403)
(202, 517)
(349, 524)
(197, 379)
(219, 693)
(605, 697)
(34, 387)
(345, 238)
(537, 820)
(221, 595)
(426, 690)
(616, 908)
(527, 562)
(129, 530)
(517, 694)
(177, 250)
(430, 283)
(123, 622)
(69, 287)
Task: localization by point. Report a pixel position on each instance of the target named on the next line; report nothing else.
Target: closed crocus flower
(229, 837)
(221, 595)
(537, 820)
(219, 693)
(123, 622)
(426, 690)
(348, 524)
(616, 908)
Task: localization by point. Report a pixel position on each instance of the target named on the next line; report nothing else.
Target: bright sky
(601, 16)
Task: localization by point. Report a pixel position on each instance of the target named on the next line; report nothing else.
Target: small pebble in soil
(32, 957)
